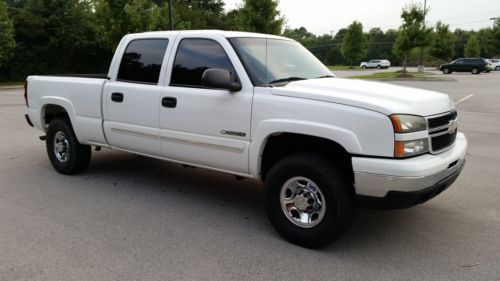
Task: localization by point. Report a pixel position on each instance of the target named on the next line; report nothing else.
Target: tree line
(351, 45)
(79, 36)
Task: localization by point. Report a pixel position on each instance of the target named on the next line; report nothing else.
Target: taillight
(26, 92)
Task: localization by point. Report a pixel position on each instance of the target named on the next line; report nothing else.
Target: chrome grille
(440, 133)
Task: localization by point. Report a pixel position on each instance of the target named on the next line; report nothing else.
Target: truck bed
(79, 94)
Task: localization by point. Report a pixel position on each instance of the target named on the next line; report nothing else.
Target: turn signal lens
(410, 148)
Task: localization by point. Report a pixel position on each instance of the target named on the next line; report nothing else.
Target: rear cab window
(142, 61)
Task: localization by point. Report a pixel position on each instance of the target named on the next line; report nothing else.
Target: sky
(328, 16)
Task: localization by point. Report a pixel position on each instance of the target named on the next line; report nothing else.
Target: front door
(204, 126)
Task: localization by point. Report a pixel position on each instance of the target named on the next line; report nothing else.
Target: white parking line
(464, 99)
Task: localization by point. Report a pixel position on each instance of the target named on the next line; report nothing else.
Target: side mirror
(219, 79)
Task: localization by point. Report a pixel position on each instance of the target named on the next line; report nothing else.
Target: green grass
(426, 76)
(343, 67)
(11, 83)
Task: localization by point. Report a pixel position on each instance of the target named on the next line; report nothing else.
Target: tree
(116, 18)
(496, 36)
(56, 36)
(353, 44)
(7, 42)
(472, 48)
(379, 44)
(412, 32)
(442, 46)
(261, 16)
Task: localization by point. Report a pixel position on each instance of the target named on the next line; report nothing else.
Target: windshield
(277, 61)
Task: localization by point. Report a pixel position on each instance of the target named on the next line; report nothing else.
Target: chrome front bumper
(378, 177)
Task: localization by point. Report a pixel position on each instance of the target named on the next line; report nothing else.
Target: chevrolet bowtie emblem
(453, 126)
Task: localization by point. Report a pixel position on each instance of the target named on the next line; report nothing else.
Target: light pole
(421, 66)
(494, 19)
(170, 22)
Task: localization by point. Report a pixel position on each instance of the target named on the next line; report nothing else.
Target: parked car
(380, 64)
(473, 65)
(495, 64)
(263, 107)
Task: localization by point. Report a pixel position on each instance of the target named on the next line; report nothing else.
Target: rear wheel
(66, 154)
(308, 200)
(497, 68)
(379, 67)
(475, 71)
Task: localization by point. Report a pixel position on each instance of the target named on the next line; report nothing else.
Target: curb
(11, 87)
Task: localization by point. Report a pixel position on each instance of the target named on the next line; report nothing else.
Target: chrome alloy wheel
(302, 202)
(61, 147)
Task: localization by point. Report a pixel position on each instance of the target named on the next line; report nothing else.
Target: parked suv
(473, 65)
(376, 64)
(495, 64)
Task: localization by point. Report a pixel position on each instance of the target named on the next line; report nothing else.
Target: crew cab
(263, 107)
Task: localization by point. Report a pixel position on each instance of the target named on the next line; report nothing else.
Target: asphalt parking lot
(133, 218)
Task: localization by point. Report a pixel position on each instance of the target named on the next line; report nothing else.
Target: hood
(377, 96)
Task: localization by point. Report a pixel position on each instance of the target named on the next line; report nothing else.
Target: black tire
(333, 185)
(497, 68)
(446, 71)
(363, 67)
(379, 67)
(74, 157)
(475, 71)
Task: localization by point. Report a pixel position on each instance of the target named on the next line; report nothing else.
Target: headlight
(410, 148)
(408, 123)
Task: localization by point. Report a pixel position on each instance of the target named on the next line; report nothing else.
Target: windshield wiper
(286, 80)
(325, 76)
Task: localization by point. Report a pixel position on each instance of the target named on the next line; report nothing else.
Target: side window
(193, 57)
(141, 62)
(459, 61)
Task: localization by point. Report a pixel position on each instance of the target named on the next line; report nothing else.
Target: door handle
(169, 102)
(117, 97)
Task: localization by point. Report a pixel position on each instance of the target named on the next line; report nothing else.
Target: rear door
(200, 125)
(460, 65)
(132, 96)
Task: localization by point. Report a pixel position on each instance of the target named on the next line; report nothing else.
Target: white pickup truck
(263, 107)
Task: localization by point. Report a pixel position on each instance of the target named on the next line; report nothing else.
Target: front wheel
(446, 71)
(475, 71)
(363, 67)
(379, 67)
(66, 154)
(308, 200)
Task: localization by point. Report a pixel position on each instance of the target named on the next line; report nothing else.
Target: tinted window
(459, 61)
(142, 61)
(194, 56)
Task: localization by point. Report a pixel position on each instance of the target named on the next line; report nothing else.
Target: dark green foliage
(353, 44)
(7, 42)
(55, 36)
(472, 48)
(442, 42)
(261, 16)
(79, 36)
(412, 33)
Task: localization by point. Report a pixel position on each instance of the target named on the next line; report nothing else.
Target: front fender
(265, 129)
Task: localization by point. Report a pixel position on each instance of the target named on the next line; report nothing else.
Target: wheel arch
(297, 137)
(56, 107)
